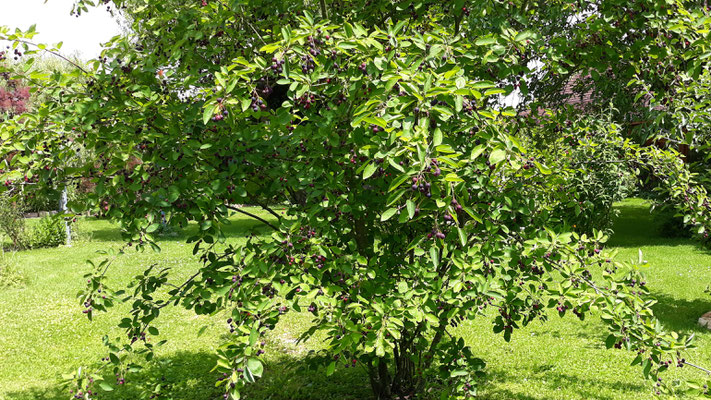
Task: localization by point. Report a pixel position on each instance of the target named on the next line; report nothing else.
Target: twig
(255, 31)
(53, 53)
(697, 367)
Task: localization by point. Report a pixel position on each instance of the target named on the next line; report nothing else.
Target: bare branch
(54, 53)
(697, 367)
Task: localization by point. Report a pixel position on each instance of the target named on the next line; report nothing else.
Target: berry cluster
(436, 233)
(277, 65)
(221, 115)
(313, 43)
(257, 103)
(308, 64)
(418, 183)
(306, 100)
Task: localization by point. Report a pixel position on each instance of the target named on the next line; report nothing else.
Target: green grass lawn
(43, 333)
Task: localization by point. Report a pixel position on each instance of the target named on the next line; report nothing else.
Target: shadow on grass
(681, 315)
(234, 230)
(636, 227)
(555, 380)
(187, 376)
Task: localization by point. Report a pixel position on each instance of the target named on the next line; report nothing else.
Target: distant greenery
(49, 231)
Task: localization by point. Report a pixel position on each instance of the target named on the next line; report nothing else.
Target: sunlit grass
(44, 334)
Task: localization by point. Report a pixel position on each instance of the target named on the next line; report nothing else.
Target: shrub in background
(593, 173)
(48, 232)
(669, 222)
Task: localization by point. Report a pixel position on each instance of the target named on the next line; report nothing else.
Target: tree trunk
(404, 382)
(380, 380)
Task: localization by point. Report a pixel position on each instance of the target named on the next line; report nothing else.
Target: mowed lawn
(43, 333)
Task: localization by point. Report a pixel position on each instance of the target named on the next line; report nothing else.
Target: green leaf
(331, 368)
(460, 82)
(253, 337)
(208, 113)
(458, 372)
(497, 156)
(544, 170)
(153, 330)
(410, 209)
(485, 41)
(434, 255)
(387, 214)
(270, 48)
(153, 227)
(379, 346)
(437, 138)
(246, 102)
(399, 181)
(255, 367)
(201, 330)
(396, 165)
(491, 92)
(462, 236)
(369, 170)
(105, 387)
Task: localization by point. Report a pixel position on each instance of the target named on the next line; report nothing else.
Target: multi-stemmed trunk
(399, 376)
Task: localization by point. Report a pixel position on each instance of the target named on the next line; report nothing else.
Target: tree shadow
(553, 379)
(681, 315)
(236, 229)
(188, 376)
(636, 227)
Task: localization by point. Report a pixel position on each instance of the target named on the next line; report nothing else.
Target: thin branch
(255, 31)
(53, 53)
(247, 213)
(697, 367)
(272, 212)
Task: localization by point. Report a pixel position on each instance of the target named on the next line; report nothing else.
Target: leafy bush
(669, 223)
(12, 219)
(593, 173)
(48, 232)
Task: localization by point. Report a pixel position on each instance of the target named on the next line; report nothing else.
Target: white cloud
(82, 35)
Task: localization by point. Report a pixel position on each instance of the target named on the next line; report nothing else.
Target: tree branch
(697, 367)
(249, 214)
(54, 53)
(324, 11)
(272, 212)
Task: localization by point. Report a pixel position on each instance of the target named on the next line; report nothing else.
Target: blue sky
(81, 35)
